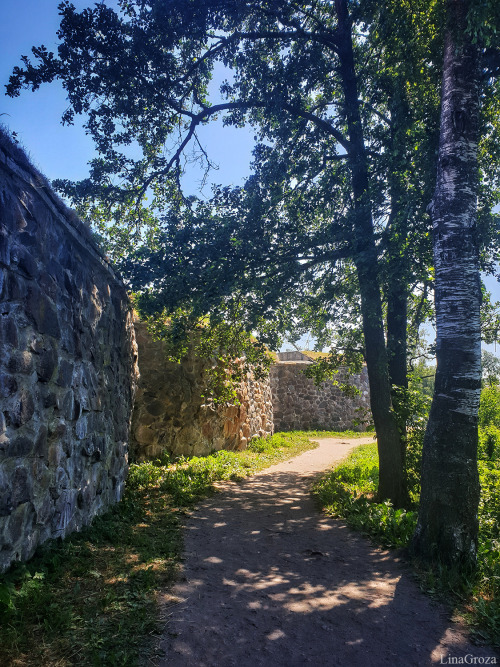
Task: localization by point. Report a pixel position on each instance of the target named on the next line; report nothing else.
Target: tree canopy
(142, 74)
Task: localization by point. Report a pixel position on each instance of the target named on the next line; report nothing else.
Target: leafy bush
(486, 603)
(489, 424)
(413, 463)
(348, 491)
(489, 443)
(412, 410)
(489, 407)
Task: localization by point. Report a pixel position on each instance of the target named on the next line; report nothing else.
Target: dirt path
(269, 581)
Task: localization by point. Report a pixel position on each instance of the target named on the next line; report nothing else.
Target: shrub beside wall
(67, 367)
(172, 414)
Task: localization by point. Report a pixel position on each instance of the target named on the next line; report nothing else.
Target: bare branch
(197, 119)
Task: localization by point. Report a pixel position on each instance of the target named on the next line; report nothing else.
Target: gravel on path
(270, 581)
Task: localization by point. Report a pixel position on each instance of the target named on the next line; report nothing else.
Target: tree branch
(197, 119)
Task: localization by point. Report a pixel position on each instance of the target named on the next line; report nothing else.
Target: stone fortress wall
(171, 413)
(298, 404)
(69, 372)
(67, 366)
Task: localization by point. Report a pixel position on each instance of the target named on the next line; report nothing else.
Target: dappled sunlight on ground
(270, 581)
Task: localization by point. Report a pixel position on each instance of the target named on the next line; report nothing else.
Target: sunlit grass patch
(349, 491)
(92, 598)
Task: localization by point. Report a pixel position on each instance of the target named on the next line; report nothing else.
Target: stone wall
(300, 405)
(171, 414)
(68, 373)
(67, 367)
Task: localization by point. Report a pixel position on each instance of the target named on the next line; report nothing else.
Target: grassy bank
(92, 599)
(348, 492)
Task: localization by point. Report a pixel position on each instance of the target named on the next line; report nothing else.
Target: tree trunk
(391, 479)
(397, 287)
(397, 317)
(397, 252)
(447, 522)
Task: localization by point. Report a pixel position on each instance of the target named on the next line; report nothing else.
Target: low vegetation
(349, 492)
(92, 598)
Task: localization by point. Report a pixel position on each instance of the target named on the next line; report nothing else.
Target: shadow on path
(268, 580)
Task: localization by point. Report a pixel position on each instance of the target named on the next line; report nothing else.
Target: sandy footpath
(270, 581)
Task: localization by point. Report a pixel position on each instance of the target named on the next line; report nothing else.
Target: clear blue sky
(63, 152)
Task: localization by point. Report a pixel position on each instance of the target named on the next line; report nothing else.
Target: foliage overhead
(141, 75)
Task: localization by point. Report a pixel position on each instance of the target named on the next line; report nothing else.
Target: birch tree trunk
(447, 523)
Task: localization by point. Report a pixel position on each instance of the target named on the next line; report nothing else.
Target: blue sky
(63, 152)
(56, 151)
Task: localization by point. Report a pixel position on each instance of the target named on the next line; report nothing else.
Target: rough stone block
(19, 525)
(6, 502)
(94, 447)
(23, 407)
(16, 287)
(43, 312)
(8, 385)
(48, 396)
(46, 364)
(56, 454)
(65, 374)
(64, 510)
(25, 261)
(66, 405)
(48, 282)
(44, 511)
(20, 362)
(21, 486)
(81, 427)
(155, 407)
(4, 248)
(20, 446)
(145, 435)
(41, 447)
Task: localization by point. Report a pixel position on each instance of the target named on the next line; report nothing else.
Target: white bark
(447, 524)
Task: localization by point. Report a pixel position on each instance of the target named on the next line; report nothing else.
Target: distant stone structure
(67, 366)
(298, 404)
(171, 414)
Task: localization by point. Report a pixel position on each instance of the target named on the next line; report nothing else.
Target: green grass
(349, 492)
(92, 598)
(192, 478)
